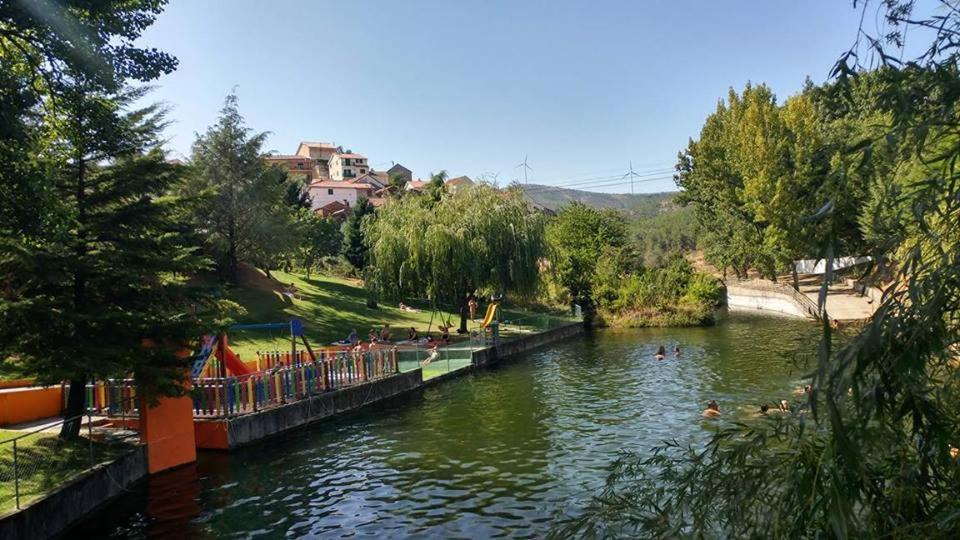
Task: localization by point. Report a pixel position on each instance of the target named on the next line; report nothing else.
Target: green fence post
(16, 476)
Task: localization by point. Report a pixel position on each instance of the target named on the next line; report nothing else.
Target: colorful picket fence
(111, 397)
(218, 397)
(274, 359)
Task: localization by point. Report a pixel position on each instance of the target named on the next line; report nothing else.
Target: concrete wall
(254, 427)
(492, 355)
(739, 298)
(19, 405)
(56, 512)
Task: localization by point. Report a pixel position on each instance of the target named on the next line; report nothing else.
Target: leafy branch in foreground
(874, 452)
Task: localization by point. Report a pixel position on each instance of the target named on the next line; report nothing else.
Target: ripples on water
(503, 452)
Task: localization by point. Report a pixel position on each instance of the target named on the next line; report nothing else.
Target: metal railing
(230, 396)
(37, 462)
(806, 304)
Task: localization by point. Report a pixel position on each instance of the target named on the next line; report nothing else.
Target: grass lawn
(329, 308)
(45, 462)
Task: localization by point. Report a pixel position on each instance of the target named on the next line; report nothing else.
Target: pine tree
(82, 301)
(354, 249)
(248, 218)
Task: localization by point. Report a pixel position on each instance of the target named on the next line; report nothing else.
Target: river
(501, 452)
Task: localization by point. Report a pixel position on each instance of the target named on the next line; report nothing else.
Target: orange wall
(167, 429)
(211, 434)
(29, 404)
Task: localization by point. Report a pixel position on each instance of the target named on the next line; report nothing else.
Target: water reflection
(503, 452)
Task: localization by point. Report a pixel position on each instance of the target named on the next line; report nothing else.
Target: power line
(621, 181)
(634, 175)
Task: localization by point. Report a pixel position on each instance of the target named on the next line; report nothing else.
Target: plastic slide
(233, 363)
(490, 316)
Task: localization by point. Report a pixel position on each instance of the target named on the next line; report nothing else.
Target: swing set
(228, 361)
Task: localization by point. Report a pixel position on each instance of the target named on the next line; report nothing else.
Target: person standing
(472, 305)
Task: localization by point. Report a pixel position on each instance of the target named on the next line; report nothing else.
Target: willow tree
(479, 238)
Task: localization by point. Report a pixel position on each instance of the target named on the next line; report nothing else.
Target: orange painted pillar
(167, 428)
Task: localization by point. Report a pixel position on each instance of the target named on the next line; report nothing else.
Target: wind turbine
(525, 168)
(631, 175)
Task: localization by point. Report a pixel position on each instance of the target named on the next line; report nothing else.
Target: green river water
(502, 452)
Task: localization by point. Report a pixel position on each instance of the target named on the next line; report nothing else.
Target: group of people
(662, 352)
(782, 406)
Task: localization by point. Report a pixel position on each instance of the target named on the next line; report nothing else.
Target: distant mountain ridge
(634, 205)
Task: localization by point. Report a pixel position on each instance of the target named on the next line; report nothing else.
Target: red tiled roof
(376, 201)
(279, 157)
(352, 156)
(317, 144)
(339, 185)
(460, 180)
(417, 184)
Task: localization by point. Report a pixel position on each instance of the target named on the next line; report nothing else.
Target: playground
(334, 307)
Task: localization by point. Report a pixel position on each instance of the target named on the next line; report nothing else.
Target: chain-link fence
(37, 462)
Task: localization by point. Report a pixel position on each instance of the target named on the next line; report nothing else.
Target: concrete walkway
(843, 303)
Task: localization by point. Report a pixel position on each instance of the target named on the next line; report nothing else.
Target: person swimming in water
(661, 353)
(764, 409)
(713, 409)
(676, 351)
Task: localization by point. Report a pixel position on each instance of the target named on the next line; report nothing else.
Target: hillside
(634, 205)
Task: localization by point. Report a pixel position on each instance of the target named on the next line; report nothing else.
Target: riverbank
(504, 451)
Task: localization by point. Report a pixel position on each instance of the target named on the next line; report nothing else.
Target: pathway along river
(505, 451)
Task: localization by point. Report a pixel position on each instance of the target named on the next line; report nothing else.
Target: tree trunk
(72, 414)
(796, 278)
(464, 315)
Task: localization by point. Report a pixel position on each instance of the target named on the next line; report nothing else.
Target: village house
(324, 192)
(347, 165)
(320, 154)
(294, 165)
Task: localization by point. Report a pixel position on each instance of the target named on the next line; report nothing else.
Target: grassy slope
(45, 463)
(329, 307)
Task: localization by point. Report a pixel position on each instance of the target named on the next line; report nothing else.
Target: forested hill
(635, 205)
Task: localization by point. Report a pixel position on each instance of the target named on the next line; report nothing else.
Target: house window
(300, 166)
(329, 192)
(362, 171)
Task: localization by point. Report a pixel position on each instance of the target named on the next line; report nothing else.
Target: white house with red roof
(324, 192)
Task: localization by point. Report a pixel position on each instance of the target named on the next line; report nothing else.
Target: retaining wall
(493, 355)
(18, 405)
(741, 298)
(234, 432)
(53, 514)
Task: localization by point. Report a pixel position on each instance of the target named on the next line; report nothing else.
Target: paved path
(842, 302)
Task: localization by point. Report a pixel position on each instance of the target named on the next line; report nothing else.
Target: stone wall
(505, 350)
(254, 427)
(742, 298)
(52, 515)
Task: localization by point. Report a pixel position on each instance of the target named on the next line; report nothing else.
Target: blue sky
(583, 88)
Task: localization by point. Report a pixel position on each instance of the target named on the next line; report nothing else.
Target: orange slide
(233, 363)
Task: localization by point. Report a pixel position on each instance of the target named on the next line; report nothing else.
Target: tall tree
(577, 238)
(319, 237)
(478, 238)
(354, 248)
(873, 452)
(103, 266)
(248, 218)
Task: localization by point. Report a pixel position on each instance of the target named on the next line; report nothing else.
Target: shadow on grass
(44, 463)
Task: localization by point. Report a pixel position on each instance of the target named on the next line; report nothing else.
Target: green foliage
(578, 236)
(320, 237)
(871, 452)
(658, 237)
(478, 238)
(248, 216)
(95, 259)
(354, 247)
